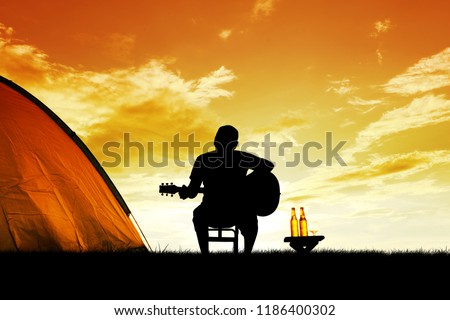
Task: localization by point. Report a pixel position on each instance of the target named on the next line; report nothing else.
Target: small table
(304, 244)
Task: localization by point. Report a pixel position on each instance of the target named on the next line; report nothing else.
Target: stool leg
(236, 241)
(202, 238)
(221, 238)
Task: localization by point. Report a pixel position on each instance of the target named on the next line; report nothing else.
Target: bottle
(294, 223)
(303, 223)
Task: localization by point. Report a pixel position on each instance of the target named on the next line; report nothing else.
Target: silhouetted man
(224, 202)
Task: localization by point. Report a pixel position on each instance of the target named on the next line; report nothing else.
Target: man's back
(223, 177)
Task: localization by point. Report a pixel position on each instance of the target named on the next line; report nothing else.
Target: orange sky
(376, 74)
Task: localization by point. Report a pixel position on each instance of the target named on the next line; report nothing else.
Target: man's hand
(183, 192)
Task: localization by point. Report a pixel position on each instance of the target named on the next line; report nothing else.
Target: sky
(350, 99)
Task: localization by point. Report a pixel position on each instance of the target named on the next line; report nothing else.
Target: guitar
(263, 191)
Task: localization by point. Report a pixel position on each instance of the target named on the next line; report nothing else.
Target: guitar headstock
(166, 189)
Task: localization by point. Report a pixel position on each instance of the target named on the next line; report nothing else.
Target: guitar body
(262, 191)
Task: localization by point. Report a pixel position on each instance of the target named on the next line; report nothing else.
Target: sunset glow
(350, 99)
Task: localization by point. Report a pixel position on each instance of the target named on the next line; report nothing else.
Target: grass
(263, 275)
(318, 252)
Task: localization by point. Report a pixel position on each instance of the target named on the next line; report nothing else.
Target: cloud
(225, 34)
(427, 74)
(357, 101)
(263, 8)
(300, 198)
(423, 111)
(364, 105)
(205, 89)
(8, 31)
(379, 56)
(396, 165)
(381, 178)
(341, 87)
(86, 98)
(100, 92)
(21, 59)
(381, 27)
(347, 123)
(150, 101)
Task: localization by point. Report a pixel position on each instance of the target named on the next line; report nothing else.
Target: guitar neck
(166, 189)
(201, 190)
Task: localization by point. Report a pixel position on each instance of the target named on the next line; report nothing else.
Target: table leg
(303, 249)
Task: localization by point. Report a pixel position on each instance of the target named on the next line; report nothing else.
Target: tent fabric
(54, 195)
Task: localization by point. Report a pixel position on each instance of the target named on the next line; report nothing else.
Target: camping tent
(54, 195)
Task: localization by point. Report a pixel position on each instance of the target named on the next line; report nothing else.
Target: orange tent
(54, 195)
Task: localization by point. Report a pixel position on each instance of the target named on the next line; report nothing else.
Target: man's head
(226, 137)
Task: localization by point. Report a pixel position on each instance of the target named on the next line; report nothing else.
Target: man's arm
(191, 190)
